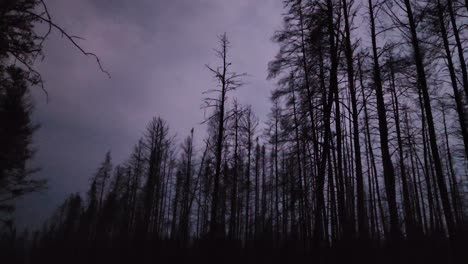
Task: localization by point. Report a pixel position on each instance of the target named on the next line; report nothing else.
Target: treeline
(365, 147)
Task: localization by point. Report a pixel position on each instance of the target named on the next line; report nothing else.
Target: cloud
(155, 52)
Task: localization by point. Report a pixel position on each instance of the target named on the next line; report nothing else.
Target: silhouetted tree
(360, 158)
(227, 81)
(16, 132)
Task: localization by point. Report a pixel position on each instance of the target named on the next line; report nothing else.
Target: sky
(155, 51)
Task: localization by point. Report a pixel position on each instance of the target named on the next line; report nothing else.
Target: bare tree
(227, 81)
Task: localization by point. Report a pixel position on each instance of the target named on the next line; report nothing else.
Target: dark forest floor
(422, 251)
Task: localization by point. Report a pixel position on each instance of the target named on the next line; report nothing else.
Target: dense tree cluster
(365, 147)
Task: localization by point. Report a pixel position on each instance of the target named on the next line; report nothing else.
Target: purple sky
(155, 52)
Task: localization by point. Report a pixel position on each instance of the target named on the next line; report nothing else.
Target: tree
(16, 134)
(388, 169)
(101, 177)
(422, 83)
(21, 43)
(441, 29)
(362, 215)
(187, 169)
(227, 82)
(300, 188)
(156, 146)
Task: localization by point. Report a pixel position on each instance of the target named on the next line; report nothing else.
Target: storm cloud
(155, 52)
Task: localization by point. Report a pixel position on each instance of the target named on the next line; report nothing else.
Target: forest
(363, 157)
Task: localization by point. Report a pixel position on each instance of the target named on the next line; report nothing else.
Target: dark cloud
(155, 51)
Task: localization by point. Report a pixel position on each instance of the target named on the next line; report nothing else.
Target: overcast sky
(155, 51)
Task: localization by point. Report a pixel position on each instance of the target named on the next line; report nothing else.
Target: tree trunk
(422, 82)
(389, 173)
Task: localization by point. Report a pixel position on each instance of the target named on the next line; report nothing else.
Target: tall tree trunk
(453, 77)
(361, 207)
(264, 191)
(389, 173)
(422, 83)
(233, 214)
(409, 223)
(298, 154)
(276, 173)
(457, 208)
(257, 188)
(333, 90)
(219, 141)
(371, 153)
(460, 48)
